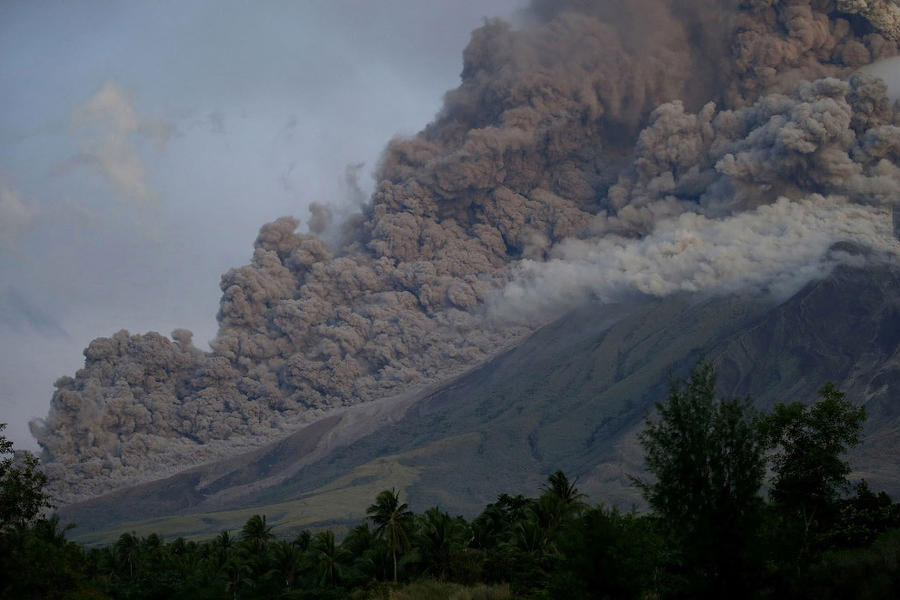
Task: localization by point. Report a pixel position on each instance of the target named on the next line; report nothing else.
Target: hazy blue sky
(143, 144)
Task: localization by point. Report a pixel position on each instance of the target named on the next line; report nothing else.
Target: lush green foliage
(810, 471)
(711, 531)
(707, 456)
(22, 494)
(393, 523)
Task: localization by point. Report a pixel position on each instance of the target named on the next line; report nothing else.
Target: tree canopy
(393, 522)
(707, 457)
(22, 495)
(810, 442)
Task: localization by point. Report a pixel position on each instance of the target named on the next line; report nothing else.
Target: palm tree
(222, 546)
(365, 552)
(224, 541)
(559, 504)
(488, 527)
(530, 536)
(393, 522)
(256, 534)
(239, 575)
(548, 514)
(303, 539)
(559, 485)
(440, 537)
(126, 550)
(359, 539)
(329, 556)
(286, 558)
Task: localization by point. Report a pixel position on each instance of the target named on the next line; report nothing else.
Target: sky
(142, 145)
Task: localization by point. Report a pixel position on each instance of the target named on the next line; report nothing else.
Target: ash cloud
(608, 147)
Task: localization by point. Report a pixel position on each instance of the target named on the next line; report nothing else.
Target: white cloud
(114, 151)
(15, 216)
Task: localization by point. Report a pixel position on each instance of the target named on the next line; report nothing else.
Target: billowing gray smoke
(610, 146)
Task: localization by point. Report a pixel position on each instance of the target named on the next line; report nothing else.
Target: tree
(222, 546)
(607, 555)
(559, 486)
(329, 558)
(440, 538)
(496, 522)
(22, 496)
(286, 558)
(863, 517)
(393, 522)
(239, 575)
(303, 540)
(126, 551)
(370, 557)
(256, 534)
(810, 473)
(707, 456)
(48, 530)
(224, 541)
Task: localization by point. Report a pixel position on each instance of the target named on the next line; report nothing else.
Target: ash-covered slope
(609, 147)
(572, 397)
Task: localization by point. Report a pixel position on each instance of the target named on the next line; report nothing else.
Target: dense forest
(742, 504)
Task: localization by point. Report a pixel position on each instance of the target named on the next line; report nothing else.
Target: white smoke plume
(770, 251)
(610, 147)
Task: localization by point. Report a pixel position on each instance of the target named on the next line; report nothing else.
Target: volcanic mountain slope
(606, 148)
(571, 397)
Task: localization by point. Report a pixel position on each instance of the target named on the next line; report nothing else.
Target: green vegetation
(393, 523)
(711, 531)
(22, 494)
(708, 458)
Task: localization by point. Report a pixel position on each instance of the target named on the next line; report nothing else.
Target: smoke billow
(772, 250)
(606, 148)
